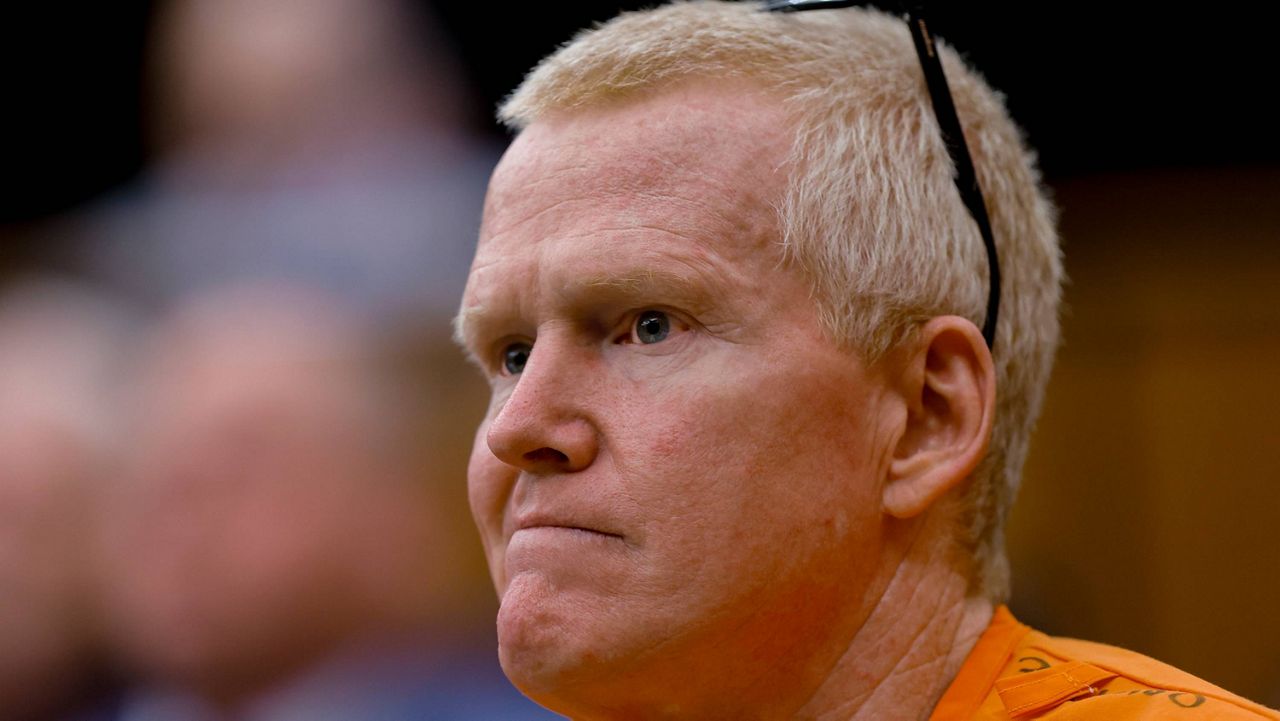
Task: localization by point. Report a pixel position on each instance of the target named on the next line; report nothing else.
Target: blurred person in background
(275, 547)
(324, 141)
(60, 352)
(270, 538)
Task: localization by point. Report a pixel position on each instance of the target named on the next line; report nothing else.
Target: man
(749, 454)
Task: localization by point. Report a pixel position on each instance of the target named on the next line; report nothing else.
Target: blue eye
(515, 356)
(652, 326)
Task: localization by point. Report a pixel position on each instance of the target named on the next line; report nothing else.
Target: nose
(542, 427)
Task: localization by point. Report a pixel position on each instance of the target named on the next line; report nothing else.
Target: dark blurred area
(234, 430)
(1098, 88)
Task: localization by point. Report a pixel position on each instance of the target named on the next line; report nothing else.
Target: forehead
(693, 169)
(725, 143)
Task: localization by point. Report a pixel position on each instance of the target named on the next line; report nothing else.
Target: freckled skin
(733, 467)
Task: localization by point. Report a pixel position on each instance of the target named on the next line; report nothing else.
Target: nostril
(546, 455)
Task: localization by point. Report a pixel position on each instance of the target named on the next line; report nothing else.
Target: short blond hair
(871, 214)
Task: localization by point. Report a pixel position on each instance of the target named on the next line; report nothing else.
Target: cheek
(489, 484)
(750, 459)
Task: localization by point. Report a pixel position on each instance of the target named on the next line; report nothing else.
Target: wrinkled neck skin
(894, 666)
(912, 645)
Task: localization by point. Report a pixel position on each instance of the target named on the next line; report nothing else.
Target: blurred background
(234, 430)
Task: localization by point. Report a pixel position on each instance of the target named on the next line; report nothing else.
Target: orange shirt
(1016, 673)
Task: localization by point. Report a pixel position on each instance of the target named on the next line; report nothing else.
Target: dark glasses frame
(944, 110)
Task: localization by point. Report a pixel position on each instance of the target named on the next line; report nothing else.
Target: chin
(554, 645)
(536, 635)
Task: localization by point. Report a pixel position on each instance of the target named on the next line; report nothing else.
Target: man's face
(232, 538)
(680, 479)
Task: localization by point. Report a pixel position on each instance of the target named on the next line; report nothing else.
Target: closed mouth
(565, 527)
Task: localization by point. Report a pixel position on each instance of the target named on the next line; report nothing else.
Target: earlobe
(948, 382)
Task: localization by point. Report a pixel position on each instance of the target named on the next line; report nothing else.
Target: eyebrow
(693, 289)
(640, 284)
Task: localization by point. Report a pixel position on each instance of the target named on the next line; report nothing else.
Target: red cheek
(668, 443)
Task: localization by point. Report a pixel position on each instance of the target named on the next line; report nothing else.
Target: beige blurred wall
(459, 396)
(1150, 509)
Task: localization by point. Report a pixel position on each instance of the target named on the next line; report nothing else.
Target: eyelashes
(515, 356)
(650, 326)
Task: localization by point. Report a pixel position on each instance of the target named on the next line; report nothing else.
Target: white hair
(871, 214)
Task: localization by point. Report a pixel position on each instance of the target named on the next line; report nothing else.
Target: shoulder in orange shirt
(1015, 672)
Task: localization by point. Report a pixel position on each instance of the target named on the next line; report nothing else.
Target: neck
(890, 654)
(912, 644)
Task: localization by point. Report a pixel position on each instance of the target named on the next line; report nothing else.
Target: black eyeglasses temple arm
(944, 110)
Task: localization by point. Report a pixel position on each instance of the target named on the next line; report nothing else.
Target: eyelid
(495, 359)
(680, 323)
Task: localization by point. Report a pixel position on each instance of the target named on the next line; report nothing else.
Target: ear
(948, 384)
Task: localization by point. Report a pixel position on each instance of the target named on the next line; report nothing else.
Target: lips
(571, 522)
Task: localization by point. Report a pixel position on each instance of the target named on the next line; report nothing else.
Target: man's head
(270, 512)
(728, 299)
